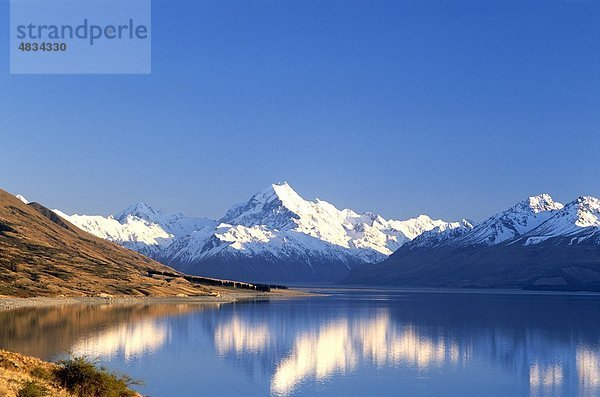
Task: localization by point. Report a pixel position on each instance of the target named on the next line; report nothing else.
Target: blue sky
(454, 109)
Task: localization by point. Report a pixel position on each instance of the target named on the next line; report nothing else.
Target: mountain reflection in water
(128, 339)
(358, 342)
(340, 346)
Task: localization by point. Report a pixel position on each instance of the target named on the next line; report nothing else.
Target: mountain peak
(541, 203)
(281, 191)
(276, 205)
(288, 196)
(583, 212)
(588, 201)
(140, 210)
(518, 220)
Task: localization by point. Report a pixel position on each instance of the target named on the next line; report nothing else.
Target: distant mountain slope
(578, 218)
(275, 235)
(535, 244)
(41, 254)
(177, 224)
(515, 221)
(135, 233)
(141, 228)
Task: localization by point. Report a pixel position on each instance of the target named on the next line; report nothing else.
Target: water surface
(350, 343)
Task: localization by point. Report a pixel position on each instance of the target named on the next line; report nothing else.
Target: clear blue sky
(454, 109)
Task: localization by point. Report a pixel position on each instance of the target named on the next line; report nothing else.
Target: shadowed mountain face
(543, 266)
(41, 254)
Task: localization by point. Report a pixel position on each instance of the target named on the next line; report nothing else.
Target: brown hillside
(43, 255)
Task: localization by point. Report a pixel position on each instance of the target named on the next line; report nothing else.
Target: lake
(352, 342)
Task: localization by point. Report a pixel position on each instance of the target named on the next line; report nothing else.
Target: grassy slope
(15, 370)
(43, 255)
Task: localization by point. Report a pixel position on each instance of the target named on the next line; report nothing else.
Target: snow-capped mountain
(516, 221)
(176, 224)
(280, 208)
(536, 244)
(279, 229)
(276, 232)
(134, 233)
(580, 218)
(140, 228)
(442, 234)
(278, 236)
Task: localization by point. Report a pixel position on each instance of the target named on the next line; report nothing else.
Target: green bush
(84, 378)
(41, 373)
(32, 389)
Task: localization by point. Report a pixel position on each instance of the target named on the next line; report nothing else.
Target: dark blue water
(350, 343)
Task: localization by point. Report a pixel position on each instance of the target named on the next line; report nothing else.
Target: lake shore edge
(11, 303)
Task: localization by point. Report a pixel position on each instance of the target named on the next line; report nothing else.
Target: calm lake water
(350, 343)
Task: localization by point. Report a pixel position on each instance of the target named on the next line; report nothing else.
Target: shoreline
(11, 303)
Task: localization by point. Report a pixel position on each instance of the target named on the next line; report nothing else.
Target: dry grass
(24, 376)
(43, 255)
(16, 370)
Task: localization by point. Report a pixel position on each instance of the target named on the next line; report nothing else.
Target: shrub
(32, 389)
(41, 373)
(84, 378)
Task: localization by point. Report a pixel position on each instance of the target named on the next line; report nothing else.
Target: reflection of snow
(239, 336)
(316, 354)
(382, 344)
(545, 380)
(339, 346)
(130, 339)
(301, 353)
(588, 370)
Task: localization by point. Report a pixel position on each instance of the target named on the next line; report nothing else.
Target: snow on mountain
(275, 206)
(280, 208)
(516, 221)
(276, 226)
(537, 220)
(22, 198)
(536, 244)
(278, 235)
(134, 233)
(256, 242)
(441, 234)
(140, 227)
(176, 224)
(579, 217)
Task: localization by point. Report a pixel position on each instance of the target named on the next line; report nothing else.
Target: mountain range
(536, 244)
(274, 236)
(277, 235)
